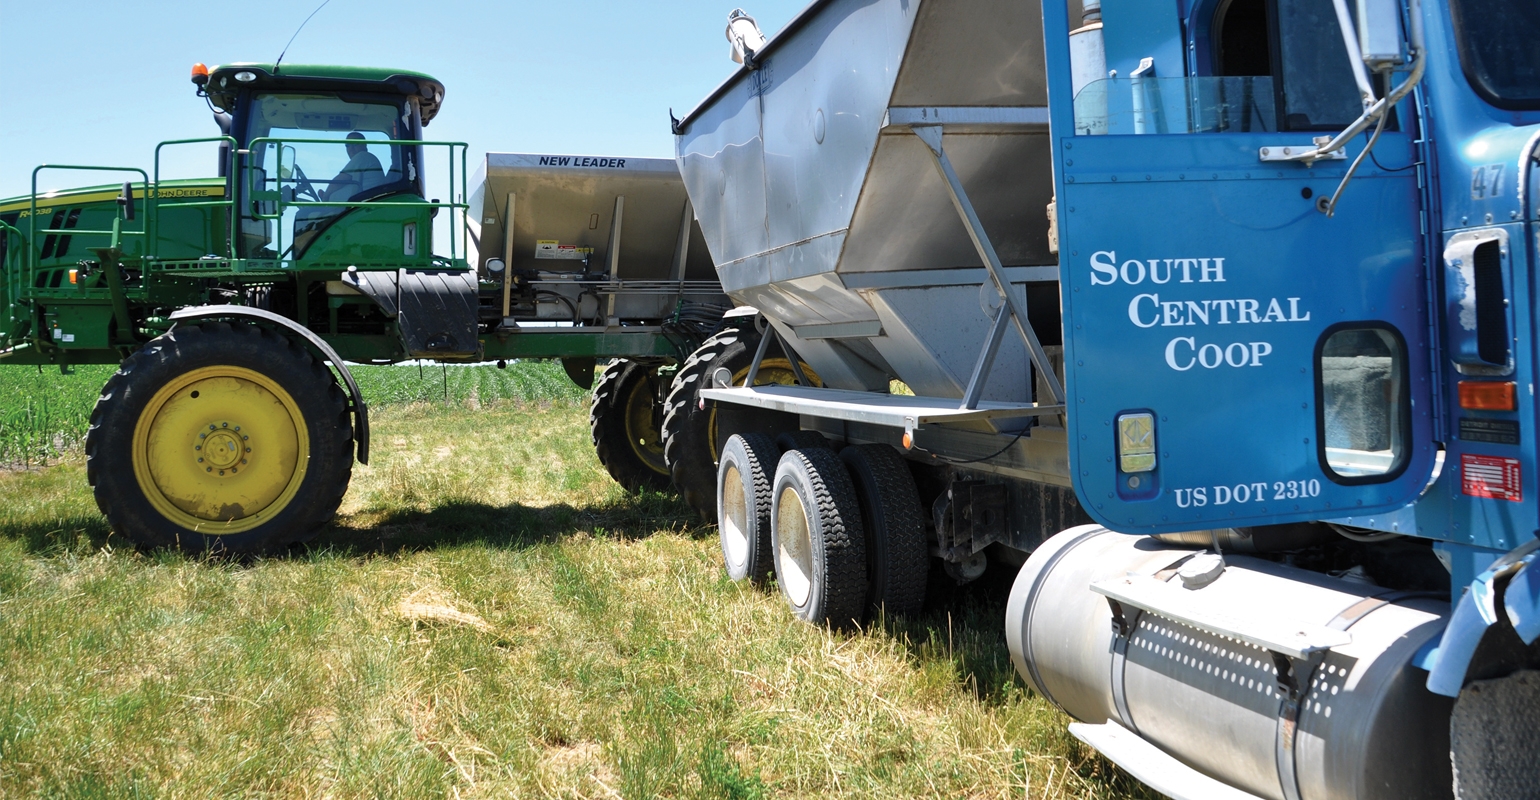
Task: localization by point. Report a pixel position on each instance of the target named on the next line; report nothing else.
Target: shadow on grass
(58, 536)
(456, 523)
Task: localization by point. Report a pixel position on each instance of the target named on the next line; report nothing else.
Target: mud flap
(436, 310)
(580, 370)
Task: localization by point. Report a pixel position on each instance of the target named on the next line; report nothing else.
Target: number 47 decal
(1486, 182)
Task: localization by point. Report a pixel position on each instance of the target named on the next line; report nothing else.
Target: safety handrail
(228, 202)
(12, 276)
(32, 230)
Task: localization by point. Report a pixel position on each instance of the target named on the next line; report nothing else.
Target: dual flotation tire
(624, 427)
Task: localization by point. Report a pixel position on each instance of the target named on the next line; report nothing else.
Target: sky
(103, 82)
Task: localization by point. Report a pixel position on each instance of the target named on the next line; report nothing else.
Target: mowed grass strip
(491, 616)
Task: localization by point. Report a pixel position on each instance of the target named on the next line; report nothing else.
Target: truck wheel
(691, 434)
(623, 424)
(1494, 745)
(743, 505)
(896, 558)
(222, 437)
(801, 440)
(820, 551)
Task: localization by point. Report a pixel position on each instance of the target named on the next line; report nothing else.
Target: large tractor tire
(623, 421)
(224, 438)
(694, 432)
(818, 539)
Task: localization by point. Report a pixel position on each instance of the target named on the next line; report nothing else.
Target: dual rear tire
(842, 534)
(624, 424)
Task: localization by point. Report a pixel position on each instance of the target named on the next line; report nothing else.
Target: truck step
(1152, 765)
(1279, 634)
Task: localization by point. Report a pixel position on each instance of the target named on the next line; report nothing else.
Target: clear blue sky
(101, 82)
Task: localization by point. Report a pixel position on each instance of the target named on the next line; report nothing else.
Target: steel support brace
(1124, 625)
(931, 136)
(986, 358)
(759, 356)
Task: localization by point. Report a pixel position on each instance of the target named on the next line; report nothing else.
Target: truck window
(1499, 49)
(1243, 42)
(1317, 90)
(1361, 373)
(1277, 65)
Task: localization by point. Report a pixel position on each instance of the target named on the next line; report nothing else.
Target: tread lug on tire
(817, 536)
(621, 427)
(220, 437)
(801, 440)
(691, 434)
(897, 558)
(744, 473)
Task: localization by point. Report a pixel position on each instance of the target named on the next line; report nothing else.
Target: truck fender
(1477, 611)
(316, 343)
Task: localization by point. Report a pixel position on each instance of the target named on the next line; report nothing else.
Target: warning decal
(1491, 476)
(552, 248)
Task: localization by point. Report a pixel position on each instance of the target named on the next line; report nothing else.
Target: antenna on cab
(296, 34)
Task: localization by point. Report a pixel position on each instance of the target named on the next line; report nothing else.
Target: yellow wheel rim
(644, 436)
(220, 450)
(771, 371)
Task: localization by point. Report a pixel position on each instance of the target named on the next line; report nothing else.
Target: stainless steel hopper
(594, 238)
(869, 180)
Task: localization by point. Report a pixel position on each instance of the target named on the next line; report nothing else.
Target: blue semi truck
(1215, 319)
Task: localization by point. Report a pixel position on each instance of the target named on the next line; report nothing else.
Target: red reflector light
(1488, 395)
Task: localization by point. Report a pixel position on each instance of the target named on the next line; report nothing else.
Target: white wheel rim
(735, 517)
(794, 556)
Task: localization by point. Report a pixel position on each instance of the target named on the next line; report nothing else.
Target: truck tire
(691, 433)
(622, 422)
(1492, 742)
(223, 438)
(897, 560)
(816, 532)
(801, 440)
(743, 505)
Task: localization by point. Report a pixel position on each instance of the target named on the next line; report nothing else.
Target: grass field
(44, 414)
(490, 616)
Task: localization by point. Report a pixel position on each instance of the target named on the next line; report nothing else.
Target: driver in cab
(363, 171)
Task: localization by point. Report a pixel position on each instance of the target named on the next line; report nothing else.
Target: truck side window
(1316, 90)
(1362, 403)
(1243, 42)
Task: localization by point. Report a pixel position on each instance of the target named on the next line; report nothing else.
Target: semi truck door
(1234, 355)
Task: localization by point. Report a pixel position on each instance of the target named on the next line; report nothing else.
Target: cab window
(1274, 65)
(1499, 49)
(321, 148)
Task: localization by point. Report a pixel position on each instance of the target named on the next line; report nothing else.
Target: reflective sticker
(1136, 442)
(1491, 476)
(552, 248)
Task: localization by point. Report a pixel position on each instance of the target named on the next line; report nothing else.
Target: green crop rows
(43, 413)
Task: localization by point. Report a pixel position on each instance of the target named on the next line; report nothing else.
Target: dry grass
(490, 617)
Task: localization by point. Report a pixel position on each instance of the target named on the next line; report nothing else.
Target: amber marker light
(1488, 396)
(74, 276)
(200, 74)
